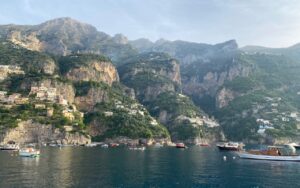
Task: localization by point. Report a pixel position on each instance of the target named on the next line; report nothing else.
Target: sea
(169, 167)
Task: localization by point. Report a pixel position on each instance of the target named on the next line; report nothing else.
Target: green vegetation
(9, 117)
(241, 84)
(29, 61)
(82, 88)
(122, 123)
(67, 63)
(174, 104)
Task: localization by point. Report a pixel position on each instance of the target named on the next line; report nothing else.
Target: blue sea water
(154, 167)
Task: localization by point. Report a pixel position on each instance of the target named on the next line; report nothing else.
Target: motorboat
(158, 145)
(181, 145)
(142, 148)
(104, 146)
(29, 152)
(297, 146)
(91, 145)
(273, 153)
(203, 144)
(11, 147)
(113, 145)
(230, 146)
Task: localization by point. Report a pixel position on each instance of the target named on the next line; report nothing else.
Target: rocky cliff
(64, 36)
(150, 74)
(30, 132)
(84, 67)
(156, 80)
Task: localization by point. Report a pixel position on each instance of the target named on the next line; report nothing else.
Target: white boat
(158, 145)
(297, 146)
(13, 147)
(104, 146)
(29, 152)
(137, 148)
(230, 146)
(273, 153)
(91, 145)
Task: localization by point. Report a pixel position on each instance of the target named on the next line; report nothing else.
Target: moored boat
(113, 145)
(203, 144)
(104, 146)
(138, 148)
(297, 146)
(181, 145)
(91, 145)
(12, 147)
(29, 152)
(273, 153)
(230, 146)
(158, 145)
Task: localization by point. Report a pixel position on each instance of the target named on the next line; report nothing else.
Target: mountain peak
(67, 23)
(228, 45)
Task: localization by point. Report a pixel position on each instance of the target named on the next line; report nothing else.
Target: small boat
(113, 145)
(158, 145)
(29, 152)
(203, 144)
(142, 148)
(180, 145)
(91, 145)
(273, 153)
(230, 146)
(11, 147)
(104, 146)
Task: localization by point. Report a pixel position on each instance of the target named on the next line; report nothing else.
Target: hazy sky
(274, 23)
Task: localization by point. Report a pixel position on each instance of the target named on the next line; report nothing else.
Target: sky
(271, 23)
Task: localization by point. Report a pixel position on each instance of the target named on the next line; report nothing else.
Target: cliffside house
(40, 106)
(69, 115)
(108, 113)
(12, 98)
(62, 101)
(22, 100)
(5, 70)
(3, 95)
(263, 126)
(44, 93)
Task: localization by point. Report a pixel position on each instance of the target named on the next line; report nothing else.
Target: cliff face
(29, 61)
(151, 74)
(95, 71)
(224, 96)
(66, 90)
(29, 132)
(93, 96)
(209, 82)
(64, 36)
(156, 79)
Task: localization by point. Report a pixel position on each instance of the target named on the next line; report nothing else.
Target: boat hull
(244, 155)
(9, 149)
(227, 148)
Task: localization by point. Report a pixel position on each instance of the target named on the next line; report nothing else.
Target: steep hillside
(238, 88)
(292, 52)
(187, 52)
(155, 78)
(150, 74)
(64, 36)
(81, 95)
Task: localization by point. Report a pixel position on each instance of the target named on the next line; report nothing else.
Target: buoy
(233, 157)
(224, 158)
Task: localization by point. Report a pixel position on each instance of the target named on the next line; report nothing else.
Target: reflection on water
(154, 167)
